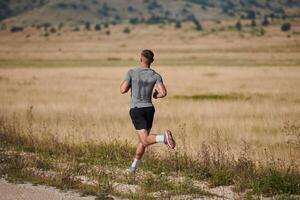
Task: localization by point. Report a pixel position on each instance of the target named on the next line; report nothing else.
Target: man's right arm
(125, 86)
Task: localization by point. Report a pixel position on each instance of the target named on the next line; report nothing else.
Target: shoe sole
(170, 140)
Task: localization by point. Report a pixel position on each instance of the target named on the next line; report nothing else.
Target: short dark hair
(149, 55)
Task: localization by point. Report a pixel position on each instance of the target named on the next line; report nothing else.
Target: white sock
(160, 138)
(135, 163)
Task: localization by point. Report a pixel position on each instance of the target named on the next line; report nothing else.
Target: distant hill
(9, 8)
(55, 12)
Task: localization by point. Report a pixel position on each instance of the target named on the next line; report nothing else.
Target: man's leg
(144, 140)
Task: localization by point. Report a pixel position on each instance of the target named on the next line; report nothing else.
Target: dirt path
(10, 191)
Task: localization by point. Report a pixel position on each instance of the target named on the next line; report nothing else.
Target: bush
(152, 5)
(253, 23)
(134, 20)
(262, 32)
(130, 8)
(126, 30)
(46, 26)
(251, 14)
(88, 26)
(265, 22)
(76, 29)
(195, 21)
(106, 25)
(2, 26)
(5, 10)
(198, 25)
(60, 26)
(178, 24)
(62, 5)
(52, 30)
(97, 27)
(155, 20)
(286, 26)
(104, 10)
(117, 18)
(15, 29)
(238, 26)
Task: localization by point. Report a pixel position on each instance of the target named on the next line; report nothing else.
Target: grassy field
(234, 94)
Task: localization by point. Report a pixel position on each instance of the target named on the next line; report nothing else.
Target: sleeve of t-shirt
(128, 76)
(158, 79)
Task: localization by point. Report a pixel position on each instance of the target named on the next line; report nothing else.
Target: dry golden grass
(83, 103)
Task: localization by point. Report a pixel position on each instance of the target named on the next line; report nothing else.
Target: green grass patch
(49, 63)
(115, 61)
(228, 62)
(203, 97)
(272, 182)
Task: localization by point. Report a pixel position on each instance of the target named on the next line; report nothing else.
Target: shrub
(60, 26)
(178, 24)
(106, 25)
(62, 5)
(265, 22)
(286, 26)
(130, 8)
(198, 25)
(238, 26)
(195, 21)
(76, 29)
(52, 30)
(155, 20)
(97, 27)
(16, 29)
(104, 10)
(117, 18)
(152, 5)
(87, 26)
(126, 30)
(46, 25)
(253, 23)
(2, 26)
(251, 14)
(262, 32)
(134, 20)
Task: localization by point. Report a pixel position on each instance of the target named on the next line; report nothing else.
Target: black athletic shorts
(142, 118)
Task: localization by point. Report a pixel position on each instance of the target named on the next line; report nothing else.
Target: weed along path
(11, 191)
(103, 178)
(87, 182)
(102, 186)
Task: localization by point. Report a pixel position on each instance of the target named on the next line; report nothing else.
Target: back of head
(148, 55)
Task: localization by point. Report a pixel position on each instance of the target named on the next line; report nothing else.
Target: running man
(142, 80)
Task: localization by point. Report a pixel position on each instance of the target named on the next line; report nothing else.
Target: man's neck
(145, 65)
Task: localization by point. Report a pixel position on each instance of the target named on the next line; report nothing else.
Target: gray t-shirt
(142, 81)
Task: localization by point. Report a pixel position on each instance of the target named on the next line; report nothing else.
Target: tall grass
(214, 164)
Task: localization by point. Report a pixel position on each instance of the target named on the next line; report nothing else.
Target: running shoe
(132, 170)
(169, 140)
